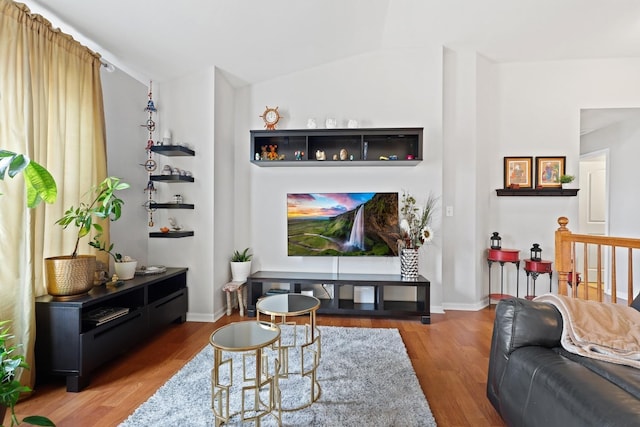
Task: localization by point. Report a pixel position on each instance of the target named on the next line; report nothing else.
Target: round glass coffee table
(259, 391)
(299, 343)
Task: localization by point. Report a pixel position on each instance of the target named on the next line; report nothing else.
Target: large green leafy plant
(104, 203)
(40, 187)
(10, 388)
(40, 184)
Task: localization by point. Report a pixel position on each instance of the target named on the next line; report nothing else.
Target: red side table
(534, 269)
(502, 256)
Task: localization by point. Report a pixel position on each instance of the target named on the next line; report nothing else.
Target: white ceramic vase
(126, 270)
(240, 271)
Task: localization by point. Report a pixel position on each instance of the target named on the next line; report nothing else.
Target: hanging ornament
(150, 164)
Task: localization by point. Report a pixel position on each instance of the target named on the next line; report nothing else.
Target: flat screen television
(342, 224)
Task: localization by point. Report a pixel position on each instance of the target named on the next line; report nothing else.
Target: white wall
(124, 101)
(224, 216)
(490, 111)
(539, 115)
(384, 89)
(186, 108)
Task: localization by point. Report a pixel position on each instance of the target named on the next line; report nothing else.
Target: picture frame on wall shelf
(549, 170)
(518, 172)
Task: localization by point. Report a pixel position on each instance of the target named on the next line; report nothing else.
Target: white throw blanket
(603, 331)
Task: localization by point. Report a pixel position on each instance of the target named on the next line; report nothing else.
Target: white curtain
(50, 109)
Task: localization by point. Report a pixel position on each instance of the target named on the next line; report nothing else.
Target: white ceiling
(253, 40)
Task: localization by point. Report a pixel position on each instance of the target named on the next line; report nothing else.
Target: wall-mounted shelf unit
(172, 178)
(367, 146)
(554, 192)
(172, 150)
(171, 234)
(171, 206)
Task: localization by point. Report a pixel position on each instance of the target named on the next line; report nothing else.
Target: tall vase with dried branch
(416, 230)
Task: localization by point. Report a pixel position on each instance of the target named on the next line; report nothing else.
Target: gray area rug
(365, 375)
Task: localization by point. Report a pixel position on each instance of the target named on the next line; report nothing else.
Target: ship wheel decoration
(150, 164)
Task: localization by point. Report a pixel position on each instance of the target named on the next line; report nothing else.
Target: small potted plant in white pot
(240, 265)
(125, 266)
(566, 180)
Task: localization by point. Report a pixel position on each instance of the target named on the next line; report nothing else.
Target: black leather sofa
(532, 381)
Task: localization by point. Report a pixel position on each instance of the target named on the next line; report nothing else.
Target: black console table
(68, 344)
(337, 305)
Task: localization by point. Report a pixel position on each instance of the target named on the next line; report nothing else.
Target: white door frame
(583, 203)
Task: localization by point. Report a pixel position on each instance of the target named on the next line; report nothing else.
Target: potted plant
(565, 180)
(40, 187)
(10, 387)
(124, 265)
(240, 265)
(73, 274)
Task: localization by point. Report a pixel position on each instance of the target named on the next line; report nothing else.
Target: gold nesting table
(260, 391)
(304, 341)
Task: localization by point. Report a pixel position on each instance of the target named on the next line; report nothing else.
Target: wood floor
(450, 358)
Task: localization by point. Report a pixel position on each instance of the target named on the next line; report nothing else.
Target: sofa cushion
(625, 377)
(541, 388)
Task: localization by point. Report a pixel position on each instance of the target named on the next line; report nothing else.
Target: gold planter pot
(68, 276)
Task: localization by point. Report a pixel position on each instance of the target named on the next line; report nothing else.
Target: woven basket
(68, 276)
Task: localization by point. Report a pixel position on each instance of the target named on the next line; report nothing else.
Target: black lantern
(536, 252)
(495, 241)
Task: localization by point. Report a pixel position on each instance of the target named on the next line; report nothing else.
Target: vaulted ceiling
(253, 40)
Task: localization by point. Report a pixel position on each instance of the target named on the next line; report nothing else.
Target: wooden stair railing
(573, 249)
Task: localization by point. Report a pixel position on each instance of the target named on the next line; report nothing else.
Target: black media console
(337, 303)
(73, 338)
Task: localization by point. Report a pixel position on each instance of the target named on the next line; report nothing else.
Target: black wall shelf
(172, 178)
(172, 150)
(171, 234)
(540, 192)
(171, 206)
(368, 146)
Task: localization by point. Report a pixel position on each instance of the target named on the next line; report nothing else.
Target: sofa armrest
(519, 323)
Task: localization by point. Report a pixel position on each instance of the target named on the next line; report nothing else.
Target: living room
(475, 110)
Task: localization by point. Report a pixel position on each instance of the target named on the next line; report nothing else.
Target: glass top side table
(260, 395)
(299, 343)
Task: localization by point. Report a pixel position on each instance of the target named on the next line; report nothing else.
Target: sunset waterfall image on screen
(342, 224)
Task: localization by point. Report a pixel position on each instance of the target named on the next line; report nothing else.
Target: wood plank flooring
(450, 358)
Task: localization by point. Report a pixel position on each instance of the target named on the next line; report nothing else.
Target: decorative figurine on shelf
(344, 155)
(174, 224)
(298, 155)
(272, 154)
(264, 155)
(320, 155)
